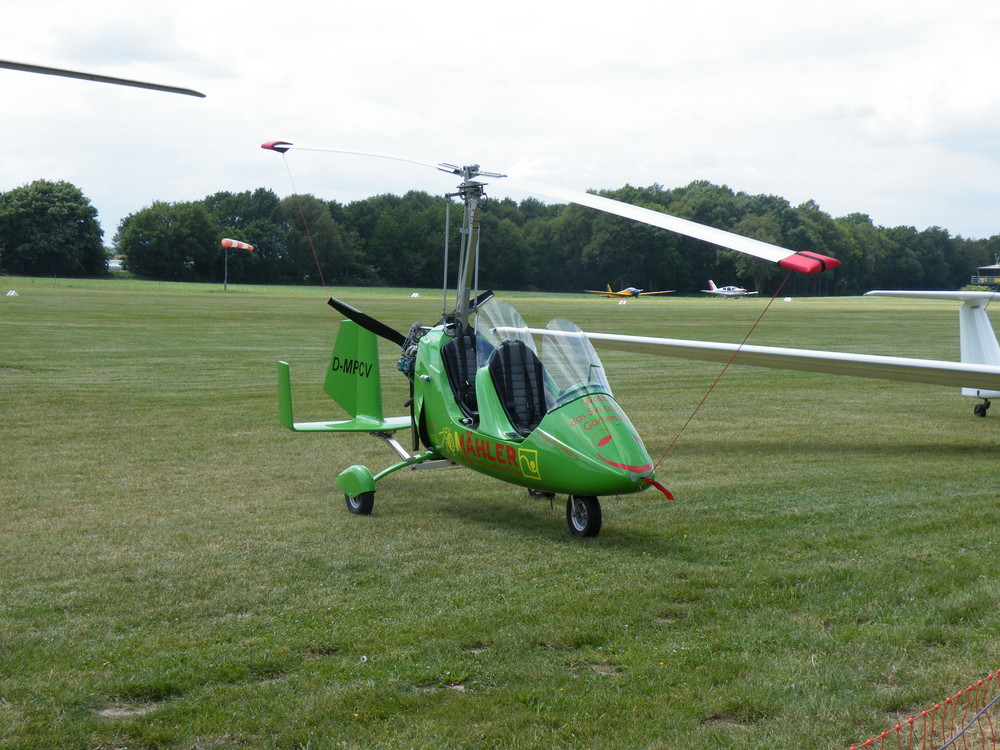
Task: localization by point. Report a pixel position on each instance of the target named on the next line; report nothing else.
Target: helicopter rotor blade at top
(64, 73)
(804, 262)
(791, 260)
(283, 146)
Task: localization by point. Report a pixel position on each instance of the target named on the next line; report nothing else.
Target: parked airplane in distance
(726, 291)
(629, 291)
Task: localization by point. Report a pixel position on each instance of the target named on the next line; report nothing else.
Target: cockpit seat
(520, 383)
(460, 364)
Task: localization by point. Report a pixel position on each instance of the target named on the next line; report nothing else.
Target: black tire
(583, 515)
(361, 505)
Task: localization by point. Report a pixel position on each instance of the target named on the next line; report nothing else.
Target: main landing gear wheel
(361, 505)
(583, 514)
(981, 409)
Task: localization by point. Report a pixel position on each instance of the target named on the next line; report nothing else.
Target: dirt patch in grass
(125, 710)
(724, 721)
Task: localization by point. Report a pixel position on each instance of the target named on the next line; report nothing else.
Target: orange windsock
(237, 244)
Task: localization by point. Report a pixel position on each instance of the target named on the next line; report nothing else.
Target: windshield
(497, 321)
(572, 367)
(571, 361)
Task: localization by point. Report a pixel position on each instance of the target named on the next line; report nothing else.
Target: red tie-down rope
(721, 373)
(302, 213)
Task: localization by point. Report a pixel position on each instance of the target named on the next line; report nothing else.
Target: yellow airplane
(629, 291)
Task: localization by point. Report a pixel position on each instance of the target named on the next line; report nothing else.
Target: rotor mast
(473, 195)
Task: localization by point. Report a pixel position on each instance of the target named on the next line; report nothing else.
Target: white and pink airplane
(726, 291)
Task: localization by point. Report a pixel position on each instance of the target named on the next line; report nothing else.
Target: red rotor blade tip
(807, 262)
(279, 146)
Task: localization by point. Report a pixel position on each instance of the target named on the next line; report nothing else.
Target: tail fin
(712, 286)
(978, 341)
(352, 380)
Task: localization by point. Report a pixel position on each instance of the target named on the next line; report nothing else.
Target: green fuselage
(582, 446)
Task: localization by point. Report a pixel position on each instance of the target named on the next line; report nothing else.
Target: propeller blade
(62, 72)
(367, 322)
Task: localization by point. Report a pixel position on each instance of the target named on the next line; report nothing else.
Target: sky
(890, 109)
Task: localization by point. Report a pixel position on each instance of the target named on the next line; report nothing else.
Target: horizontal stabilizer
(359, 423)
(961, 296)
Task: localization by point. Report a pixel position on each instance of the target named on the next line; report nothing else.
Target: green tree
(502, 254)
(258, 218)
(933, 247)
(319, 249)
(171, 242)
(50, 229)
(766, 228)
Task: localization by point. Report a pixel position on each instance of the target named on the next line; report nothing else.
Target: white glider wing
(930, 371)
(904, 369)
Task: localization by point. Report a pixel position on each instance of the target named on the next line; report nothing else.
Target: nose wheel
(361, 504)
(583, 515)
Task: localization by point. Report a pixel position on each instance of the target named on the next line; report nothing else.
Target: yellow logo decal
(450, 441)
(527, 461)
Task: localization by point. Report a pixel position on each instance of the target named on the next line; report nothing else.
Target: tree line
(51, 229)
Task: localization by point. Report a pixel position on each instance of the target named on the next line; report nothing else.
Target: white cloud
(883, 108)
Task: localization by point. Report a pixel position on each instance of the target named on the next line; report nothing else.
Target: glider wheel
(361, 505)
(583, 514)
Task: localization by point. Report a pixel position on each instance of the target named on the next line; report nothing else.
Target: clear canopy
(571, 364)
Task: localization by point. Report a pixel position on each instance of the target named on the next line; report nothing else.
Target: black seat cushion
(459, 356)
(520, 382)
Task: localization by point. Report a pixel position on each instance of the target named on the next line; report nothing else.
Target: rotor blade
(283, 146)
(367, 322)
(805, 262)
(62, 72)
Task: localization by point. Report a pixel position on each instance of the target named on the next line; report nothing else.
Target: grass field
(176, 570)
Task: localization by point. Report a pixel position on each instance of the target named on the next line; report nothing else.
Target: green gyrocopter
(485, 395)
(533, 407)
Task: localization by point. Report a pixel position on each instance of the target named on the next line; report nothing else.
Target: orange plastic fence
(963, 721)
